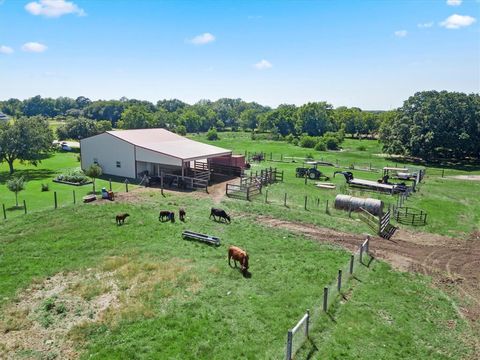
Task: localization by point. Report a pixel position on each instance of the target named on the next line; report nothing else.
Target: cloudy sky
(371, 54)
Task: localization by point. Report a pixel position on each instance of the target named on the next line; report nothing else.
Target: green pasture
(44, 173)
(451, 208)
(207, 310)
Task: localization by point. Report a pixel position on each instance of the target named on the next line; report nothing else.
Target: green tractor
(311, 172)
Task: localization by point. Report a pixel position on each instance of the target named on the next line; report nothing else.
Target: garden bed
(72, 183)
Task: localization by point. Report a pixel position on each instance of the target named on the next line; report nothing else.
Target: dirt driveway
(451, 262)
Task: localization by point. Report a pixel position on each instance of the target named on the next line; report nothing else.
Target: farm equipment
(311, 172)
(201, 237)
(381, 185)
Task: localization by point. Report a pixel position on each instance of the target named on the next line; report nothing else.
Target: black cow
(170, 215)
(220, 213)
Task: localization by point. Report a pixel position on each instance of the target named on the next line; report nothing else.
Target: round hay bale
(374, 206)
(342, 202)
(347, 202)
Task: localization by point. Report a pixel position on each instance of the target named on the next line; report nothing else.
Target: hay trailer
(372, 185)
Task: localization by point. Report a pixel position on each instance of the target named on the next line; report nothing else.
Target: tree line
(83, 117)
(429, 125)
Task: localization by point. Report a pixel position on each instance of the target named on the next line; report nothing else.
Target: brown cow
(182, 214)
(120, 218)
(238, 255)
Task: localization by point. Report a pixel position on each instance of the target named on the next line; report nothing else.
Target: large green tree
(136, 117)
(26, 140)
(434, 124)
(315, 119)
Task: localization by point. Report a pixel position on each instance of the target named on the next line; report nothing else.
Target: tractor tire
(312, 175)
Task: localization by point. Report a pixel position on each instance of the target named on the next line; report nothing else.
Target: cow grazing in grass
(120, 218)
(221, 214)
(182, 214)
(238, 255)
(168, 215)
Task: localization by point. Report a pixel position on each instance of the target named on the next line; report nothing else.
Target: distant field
(450, 208)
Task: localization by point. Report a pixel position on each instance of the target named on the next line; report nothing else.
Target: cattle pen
(252, 185)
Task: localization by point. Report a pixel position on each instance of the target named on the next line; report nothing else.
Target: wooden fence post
(126, 185)
(266, 196)
(4, 212)
(25, 207)
(281, 157)
(325, 298)
(289, 345)
(74, 198)
(305, 202)
(307, 324)
(271, 156)
(55, 198)
(110, 184)
(339, 281)
(326, 207)
(361, 254)
(352, 260)
(305, 179)
(285, 200)
(161, 181)
(443, 172)
(248, 192)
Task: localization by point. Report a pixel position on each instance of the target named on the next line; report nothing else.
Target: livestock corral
(79, 282)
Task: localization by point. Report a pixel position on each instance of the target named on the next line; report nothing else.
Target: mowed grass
(208, 310)
(44, 173)
(451, 206)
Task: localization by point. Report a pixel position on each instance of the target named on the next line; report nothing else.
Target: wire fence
(59, 198)
(332, 292)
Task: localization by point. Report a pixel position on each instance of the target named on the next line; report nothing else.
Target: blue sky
(371, 54)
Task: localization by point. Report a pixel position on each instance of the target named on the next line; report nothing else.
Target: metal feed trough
(201, 237)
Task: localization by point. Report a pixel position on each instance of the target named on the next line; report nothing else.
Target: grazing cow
(170, 215)
(120, 218)
(220, 213)
(182, 214)
(238, 255)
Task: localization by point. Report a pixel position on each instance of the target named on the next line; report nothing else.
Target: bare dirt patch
(466, 177)
(451, 262)
(45, 320)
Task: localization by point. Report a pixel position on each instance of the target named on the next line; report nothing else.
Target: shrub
(212, 134)
(295, 141)
(308, 141)
(289, 138)
(320, 145)
(362, 148)
(181, 130)
(309, 156)
(331, 142)
(74, 176)
(45, 187)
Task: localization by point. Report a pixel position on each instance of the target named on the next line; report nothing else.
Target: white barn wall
(108, 149)
(155, 157)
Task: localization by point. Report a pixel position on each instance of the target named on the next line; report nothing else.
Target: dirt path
(451, 262)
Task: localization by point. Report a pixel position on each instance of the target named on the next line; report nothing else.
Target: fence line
(330, 295)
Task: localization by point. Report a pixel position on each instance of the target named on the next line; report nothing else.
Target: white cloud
(5, 50)
(263, 64)
(456, 21)
(53, 8)
(454, 2)
(425, 25)
(202, 39)
(34, 47)
(401, 33)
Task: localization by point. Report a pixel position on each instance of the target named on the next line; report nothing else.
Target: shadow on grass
(28, 175)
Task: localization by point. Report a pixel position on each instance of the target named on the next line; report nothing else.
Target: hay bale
(347, 202)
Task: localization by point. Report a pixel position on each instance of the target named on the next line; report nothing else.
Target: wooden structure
(380, 224)
(201, 237)
(252, 185)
